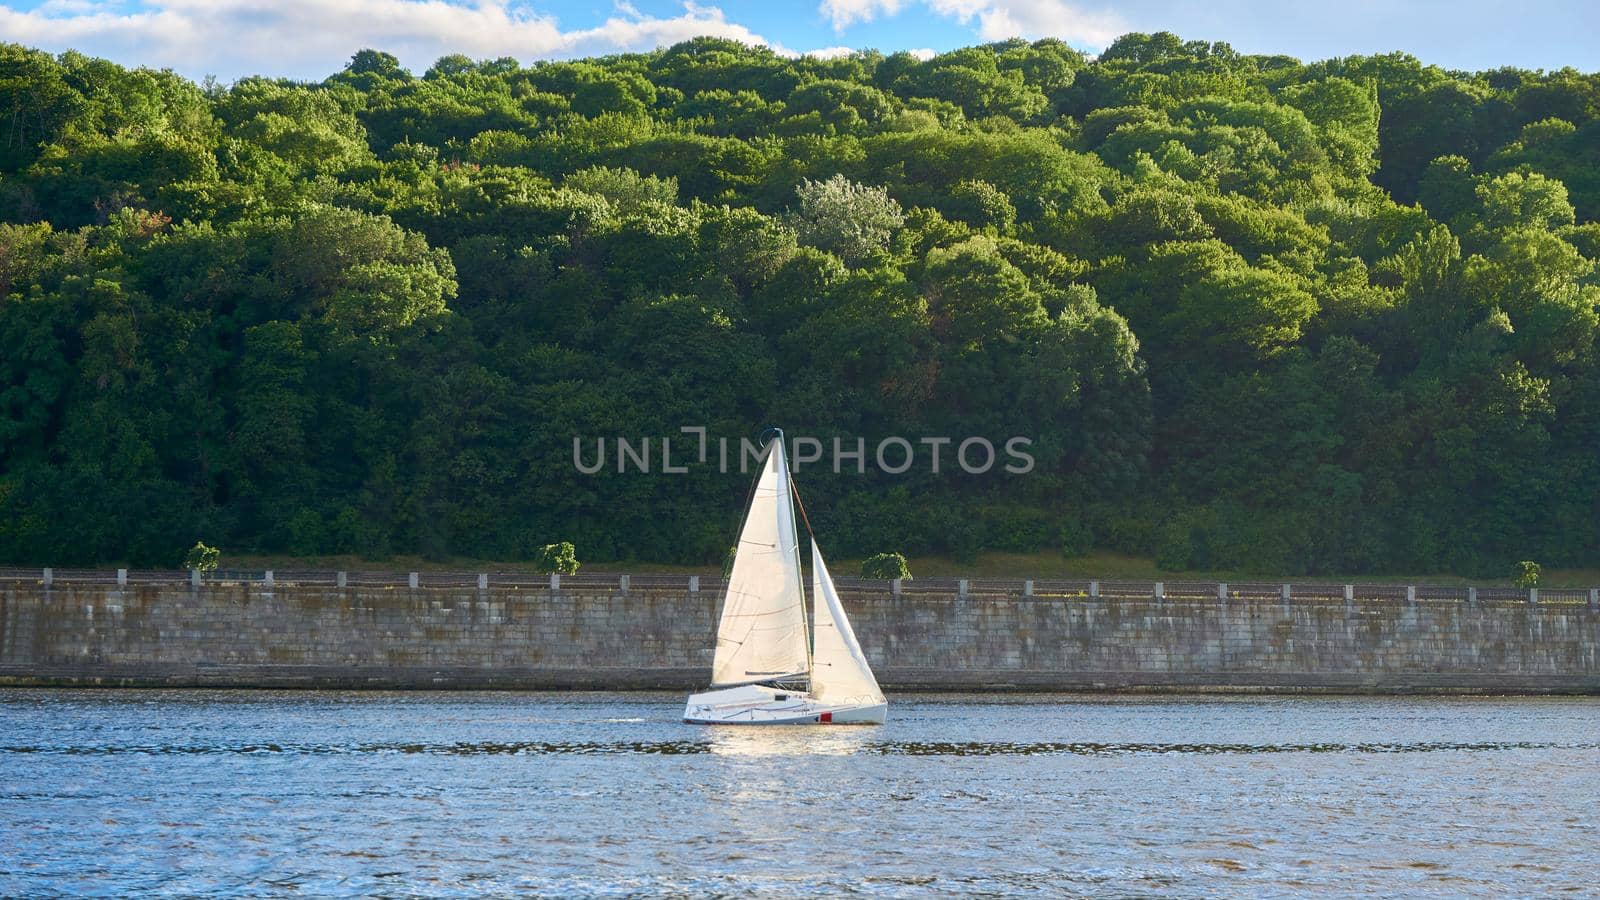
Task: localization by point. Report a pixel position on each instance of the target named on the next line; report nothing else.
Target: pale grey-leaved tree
(846, 219)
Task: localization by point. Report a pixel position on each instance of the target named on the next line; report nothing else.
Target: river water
(402, 794)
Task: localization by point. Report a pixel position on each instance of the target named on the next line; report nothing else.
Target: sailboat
(771, 666)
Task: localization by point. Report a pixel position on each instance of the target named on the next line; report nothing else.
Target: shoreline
(136, 684)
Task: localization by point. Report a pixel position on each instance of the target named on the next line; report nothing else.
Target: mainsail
(762, 633)
(839, 670)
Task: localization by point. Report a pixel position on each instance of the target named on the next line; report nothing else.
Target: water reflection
(788, 740)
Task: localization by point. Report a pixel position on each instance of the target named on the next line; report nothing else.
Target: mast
(800, 581)
(811, 632)
(763, 634)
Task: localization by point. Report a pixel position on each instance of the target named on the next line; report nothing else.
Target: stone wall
(397, 637)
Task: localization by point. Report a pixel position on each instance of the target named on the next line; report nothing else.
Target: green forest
(1293, 317)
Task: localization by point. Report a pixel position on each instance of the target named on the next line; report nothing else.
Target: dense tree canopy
(1254, 313)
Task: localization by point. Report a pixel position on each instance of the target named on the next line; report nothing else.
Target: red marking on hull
(825, 717)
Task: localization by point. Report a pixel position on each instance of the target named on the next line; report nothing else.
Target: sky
(310, 39)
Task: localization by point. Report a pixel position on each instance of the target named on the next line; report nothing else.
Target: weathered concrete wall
(246, 635)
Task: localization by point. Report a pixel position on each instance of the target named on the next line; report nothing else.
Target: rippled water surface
(317, 793)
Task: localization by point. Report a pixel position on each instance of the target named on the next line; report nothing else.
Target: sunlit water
(318, 793)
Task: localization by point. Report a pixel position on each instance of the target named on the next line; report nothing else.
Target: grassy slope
(1044, 564)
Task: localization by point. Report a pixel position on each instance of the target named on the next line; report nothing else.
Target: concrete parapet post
(1094, 590)
(1411, 594)
(894, 587)
(1594, 598)
(49, 577)
(194, 578)
(122, 578)
(267, 578)
(1285, 593)
(483, 581)
(1533, 596)
(694, 584)
(961, 587)
(555, 581)
(1349, 593)
(411, 580)
(1222, 590)
(1027, 588)
(1472, 596)
(622, 583)
(341, 580)
(1161, 590)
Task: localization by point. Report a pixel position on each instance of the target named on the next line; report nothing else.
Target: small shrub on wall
(560, 559)
(887, 566)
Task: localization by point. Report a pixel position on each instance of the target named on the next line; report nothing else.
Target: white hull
(757, 704)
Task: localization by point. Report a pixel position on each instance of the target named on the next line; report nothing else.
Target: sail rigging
(762, 635)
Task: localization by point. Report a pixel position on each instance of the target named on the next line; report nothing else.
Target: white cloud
(1035, 19)
(924, 53)
(311, 38)
(830, 52)
(844, 13)
(997, 19)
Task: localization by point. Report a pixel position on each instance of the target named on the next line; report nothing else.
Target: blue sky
(311, 38)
